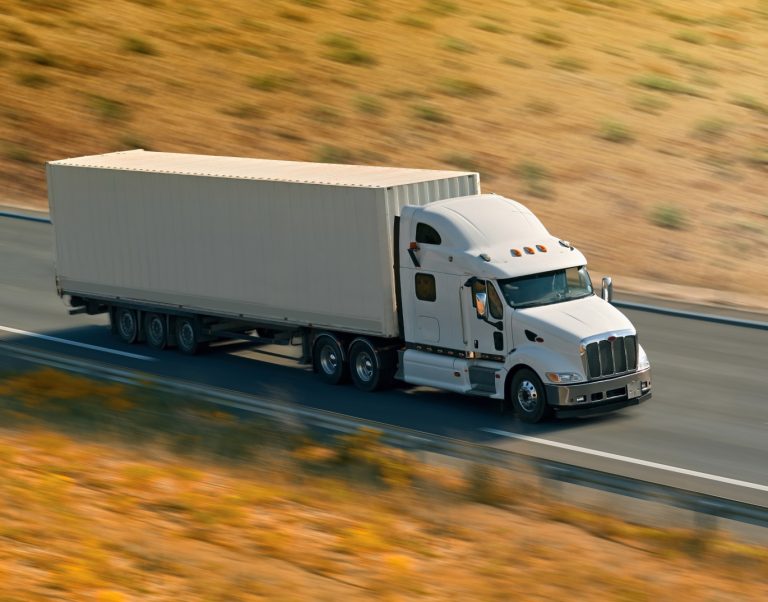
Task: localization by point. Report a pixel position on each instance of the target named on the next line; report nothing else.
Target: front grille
(614, 355)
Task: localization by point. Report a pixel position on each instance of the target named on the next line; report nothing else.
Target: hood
(575, 320)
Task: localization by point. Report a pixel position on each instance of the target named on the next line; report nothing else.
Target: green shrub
(42, 58)
(414, 21)
(690, 36)
(269, 82)
(17, 35)
(759, 158)
(17, 153)
(536, 179)
(710, 129)
(456, 45)
(370, 105)
(461, 161)
(665, 84)
(243, 111)
(109, 109)
(490, 27)
(515, 62)
(441, 7)
(325, 114)
(139, 46)
(462, 88)
(613, 131)
(649, 104)
(751, 103)
(32, 79)
(430, 113)
(132, 141)
(677, 17)
(668, 216)
(541, 107)
(292, 15)
(328, 153)
(569, 64)
(549, 37)
(344, 49)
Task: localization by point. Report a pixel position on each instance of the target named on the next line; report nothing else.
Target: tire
(328, 360)
(529, 397)
(127, 325)
(188, 336)
(368, 367)
(156, 330)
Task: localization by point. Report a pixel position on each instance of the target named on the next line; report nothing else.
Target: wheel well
(341, 342)
(511, 374)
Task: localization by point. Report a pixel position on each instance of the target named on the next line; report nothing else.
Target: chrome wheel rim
(329, 361)
(364, 366)
(527, 396)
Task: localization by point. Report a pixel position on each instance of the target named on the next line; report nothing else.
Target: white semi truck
(379, 273)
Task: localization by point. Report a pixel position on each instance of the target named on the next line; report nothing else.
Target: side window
(427, 234)
(425, 287)
(494, 303)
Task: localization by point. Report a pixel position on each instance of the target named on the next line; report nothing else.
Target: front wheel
(528, 396)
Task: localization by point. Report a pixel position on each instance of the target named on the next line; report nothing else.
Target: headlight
(642, 359)
(565, 377)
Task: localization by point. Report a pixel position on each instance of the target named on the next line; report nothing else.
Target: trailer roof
(260, 169)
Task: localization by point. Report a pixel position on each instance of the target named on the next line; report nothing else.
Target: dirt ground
(637, 130)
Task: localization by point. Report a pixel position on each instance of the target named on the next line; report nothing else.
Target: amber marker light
(515, 253)
(541, 248)
(529, 250)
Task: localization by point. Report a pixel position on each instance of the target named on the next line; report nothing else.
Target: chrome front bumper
(629, 388)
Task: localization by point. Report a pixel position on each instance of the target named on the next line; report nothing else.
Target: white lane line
(602, 454)
(45, 337)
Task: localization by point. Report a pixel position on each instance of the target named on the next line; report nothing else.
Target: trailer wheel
(328, 360)
(371, 369)
(156, 331)
(528, 396)
(127, 325)
(188, 336)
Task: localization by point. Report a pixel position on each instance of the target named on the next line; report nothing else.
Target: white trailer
(381, 273)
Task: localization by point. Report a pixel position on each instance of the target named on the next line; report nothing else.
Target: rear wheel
(328, 360)
(156, 331)
(126, 325)
(528, 396)
(371, 369)
(188, 336)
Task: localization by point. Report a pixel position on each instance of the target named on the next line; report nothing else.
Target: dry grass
(404, 82)
(113, 521)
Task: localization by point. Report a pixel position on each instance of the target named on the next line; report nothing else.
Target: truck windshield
(547, 287)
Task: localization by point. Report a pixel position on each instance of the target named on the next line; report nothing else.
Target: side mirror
(607, 292)
(481, 304)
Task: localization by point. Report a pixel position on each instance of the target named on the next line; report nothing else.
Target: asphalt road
(705, 429)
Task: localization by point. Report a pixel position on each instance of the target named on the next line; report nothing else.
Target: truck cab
(493, 305)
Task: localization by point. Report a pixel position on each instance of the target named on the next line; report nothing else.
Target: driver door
(484, 337)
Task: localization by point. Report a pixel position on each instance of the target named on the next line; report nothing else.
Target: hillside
(637, 129)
